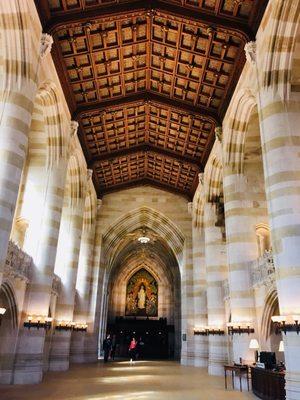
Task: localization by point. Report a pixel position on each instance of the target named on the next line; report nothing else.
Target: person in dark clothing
(140, 348)
(114, 347)
(107, 345)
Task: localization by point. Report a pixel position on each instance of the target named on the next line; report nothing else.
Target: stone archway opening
(145, 273)
(125, 255)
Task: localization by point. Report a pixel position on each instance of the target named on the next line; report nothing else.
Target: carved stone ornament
(18, 264)
(201, 178)
(263, 270)
(250, 51)
(219, 133)
(74, 128)
(46, 45)
(99, 204)
(89, 174)
(190, 208)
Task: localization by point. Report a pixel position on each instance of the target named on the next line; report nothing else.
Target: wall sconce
(286, 323)
(200, 331)
(209, 330)
(215, 331)
(2, 312)
(239, 328)
(82, 327)
(65, 326)
(37, 321)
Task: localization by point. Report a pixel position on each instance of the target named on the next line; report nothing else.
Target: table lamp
(254, 346)
(281, 346)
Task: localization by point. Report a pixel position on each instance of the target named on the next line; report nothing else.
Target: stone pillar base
(6, 377)
(27, 377)
(59, 358)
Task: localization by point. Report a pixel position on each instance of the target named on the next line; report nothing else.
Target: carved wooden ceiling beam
(146, 147)
(52, 23)
(143, 182)
(98, 107)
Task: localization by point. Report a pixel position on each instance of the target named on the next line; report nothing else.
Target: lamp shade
(281, 346)
(253, 344)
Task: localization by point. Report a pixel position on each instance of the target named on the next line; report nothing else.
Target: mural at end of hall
(141, 295)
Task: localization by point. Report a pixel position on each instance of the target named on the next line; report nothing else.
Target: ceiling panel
(148, 82)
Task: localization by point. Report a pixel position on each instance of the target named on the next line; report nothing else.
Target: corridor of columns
(149, 197)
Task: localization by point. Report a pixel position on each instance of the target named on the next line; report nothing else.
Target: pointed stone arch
(76, 179)
(49, 134)
(277, 62)
(143, 217)
(235, 129)
(213, 178)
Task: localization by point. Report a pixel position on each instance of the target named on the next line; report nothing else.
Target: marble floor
(160, 380)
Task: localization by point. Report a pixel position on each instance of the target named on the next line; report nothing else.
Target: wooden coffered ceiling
(148, 82)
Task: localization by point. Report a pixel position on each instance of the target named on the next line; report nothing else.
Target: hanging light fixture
(144, 239)
(2, 312)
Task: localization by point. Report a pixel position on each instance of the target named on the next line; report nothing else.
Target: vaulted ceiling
(148, 82)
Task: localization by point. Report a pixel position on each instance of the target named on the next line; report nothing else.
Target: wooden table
(238, 370)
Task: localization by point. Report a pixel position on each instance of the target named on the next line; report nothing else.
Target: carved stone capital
(89, 174)
(74, 128)
(46, 45)
(250, 51)
(201, 178)
(218, 133)
(99, 204)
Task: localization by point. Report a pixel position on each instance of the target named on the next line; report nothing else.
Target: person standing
(113, 347)
(107, 345)
(140, 348)
(132, 350)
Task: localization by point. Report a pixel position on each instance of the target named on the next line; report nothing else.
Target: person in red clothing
(132, 350)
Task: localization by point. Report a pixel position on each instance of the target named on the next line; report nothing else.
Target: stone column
(66, 267)
(280, 135)
(279, 114)
(216, 272)
(18, 85)
(200, 297)
(199, 276)
(94, 307)
(187, 301)
(49, 183)
(84, 278)
(240, 216)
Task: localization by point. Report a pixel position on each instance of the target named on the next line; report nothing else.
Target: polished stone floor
(121, 381)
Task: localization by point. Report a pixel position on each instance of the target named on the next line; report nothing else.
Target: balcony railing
(263, 270)
(18, 264)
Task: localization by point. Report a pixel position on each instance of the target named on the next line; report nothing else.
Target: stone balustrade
(262, 273)
(263, 270)
(18, 264)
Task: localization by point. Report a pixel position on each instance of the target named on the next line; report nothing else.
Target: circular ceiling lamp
(144, 239)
